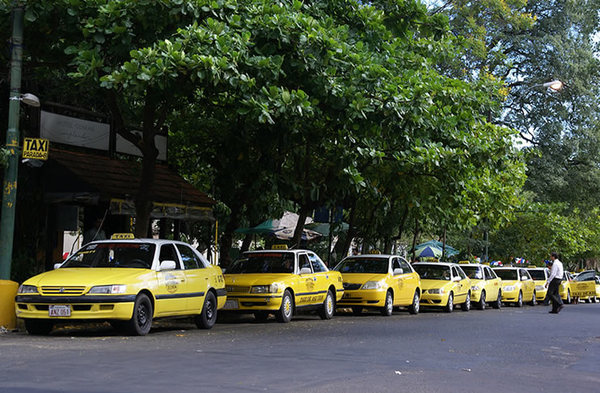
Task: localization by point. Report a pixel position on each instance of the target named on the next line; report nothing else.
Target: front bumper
(363, 297)
(257, 302)
(475, 295)
(540, 294)
(510, 297)
(82, 307)
(433, 299)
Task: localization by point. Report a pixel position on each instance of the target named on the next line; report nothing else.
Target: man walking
(556, 274)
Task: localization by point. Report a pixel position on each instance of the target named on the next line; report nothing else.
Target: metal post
(9, 188)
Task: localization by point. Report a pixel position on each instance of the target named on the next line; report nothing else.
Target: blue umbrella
(429, 252)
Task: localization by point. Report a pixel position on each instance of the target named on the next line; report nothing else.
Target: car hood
(430, 284)
(87, 276)
(361, 278)
(510, 282)
(250, 279)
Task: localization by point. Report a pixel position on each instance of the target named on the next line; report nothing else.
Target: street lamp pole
(9, 187)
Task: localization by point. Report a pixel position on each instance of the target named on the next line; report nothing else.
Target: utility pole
(9, 187)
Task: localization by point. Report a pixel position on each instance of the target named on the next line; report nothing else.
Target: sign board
(122, 236)
(73, 131)
(36, 148)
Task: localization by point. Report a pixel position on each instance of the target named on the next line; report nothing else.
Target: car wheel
(141, 320)
(328, 308)
(414, 307)
(568, 300)
(39, 327)
(286, 311)
(481, 305)
(533, 300)
(519, 302)
(450, 305)
(498, 303)
(388, 308)
(261, 316)
(466, 306)
(208, 316)
(356, 310)
(593, 300)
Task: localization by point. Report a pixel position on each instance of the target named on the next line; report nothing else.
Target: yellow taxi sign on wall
(36, 148)
(122, 236)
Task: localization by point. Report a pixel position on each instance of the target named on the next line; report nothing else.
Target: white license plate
(59, 311)
(231, 305)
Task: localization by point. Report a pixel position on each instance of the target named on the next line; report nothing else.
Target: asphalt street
(511, 350)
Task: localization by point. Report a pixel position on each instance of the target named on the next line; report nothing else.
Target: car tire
(498, 303)
(388, 307)
(568, 299)
(593, 299)
(286, 311)
(450, 305)
(261, 316)
(328, 308)
(39, 327)
(481, 305)
(141, 320)
(414, 307)
(208, 316)
(356, 310)
(519, 302)
(533, 300)
(466, 306)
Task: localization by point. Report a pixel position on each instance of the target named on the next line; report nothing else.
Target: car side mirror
(57, 265)
(456, 279)
(305, 270)
(398, 271)
(167, 265)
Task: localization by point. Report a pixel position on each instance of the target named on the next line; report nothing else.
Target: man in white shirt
(554, 280)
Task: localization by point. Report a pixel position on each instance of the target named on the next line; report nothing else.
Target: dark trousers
(553, 293)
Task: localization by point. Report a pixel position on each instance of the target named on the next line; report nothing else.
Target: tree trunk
(246, 243)
(227, 237)
(300, 226)
(414, 243)
(444, 244)
(145, 195)
(342, 247)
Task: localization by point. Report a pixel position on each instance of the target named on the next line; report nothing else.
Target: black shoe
(552, 312)
(559, 308)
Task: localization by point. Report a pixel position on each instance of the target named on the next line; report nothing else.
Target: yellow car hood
(361, 278)
(250, 279)
(87, 276)
(433, 284)
(510, 282)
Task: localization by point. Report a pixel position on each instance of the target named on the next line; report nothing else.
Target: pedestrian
(553, 282)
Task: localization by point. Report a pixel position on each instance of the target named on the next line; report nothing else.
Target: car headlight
(436, 291)
(539, 287)
(475, 288)
(372, 285)
(108, 289)
(273, 288)
(509, 288)
(27, 289)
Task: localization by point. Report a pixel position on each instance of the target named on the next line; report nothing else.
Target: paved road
(511, 350)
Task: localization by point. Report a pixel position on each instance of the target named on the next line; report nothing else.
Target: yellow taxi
(444, 285)
(564, 290)
(486, 286)
(379, 281)
(127, 282)
(282, 282)
(517, 286)
(540, 276)
(587, 286)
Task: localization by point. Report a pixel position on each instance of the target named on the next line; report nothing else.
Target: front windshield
(473, 272)
(507, 274)
(536, 274)
(433, 272)
(131, 255)
(363, 265)
(263, 263)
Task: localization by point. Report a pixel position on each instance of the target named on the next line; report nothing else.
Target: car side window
(317, 265)
(189, 257)
(489, 275)
(303, 262)
(167, 253)
(396, 265)
(405, 266)
(461, 273)
(524, 275)
(454, 273)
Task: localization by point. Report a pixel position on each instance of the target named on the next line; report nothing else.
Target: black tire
(208, 316)
(498, 303)
(141, 320)
(519, 302)
(449, 307)
(388, 307)
(357, 310)
(39, 327)
(481, 305)
(414, 307)
(286, 311)
(533, 300)
(568, 300)
(593, 299)
(261, 316)
(466, 306)
(328, 308)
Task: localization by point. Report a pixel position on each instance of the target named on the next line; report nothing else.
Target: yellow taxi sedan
(127, 282)
(486, 286)
(564, 290)
(379, 281)
(281, 282)
(540, 276)
(444, 285)
(517, 286)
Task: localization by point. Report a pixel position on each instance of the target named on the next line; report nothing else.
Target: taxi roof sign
(122, 236)
(36, 148)
(464, 262)
(374, 252)
(279, 247)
